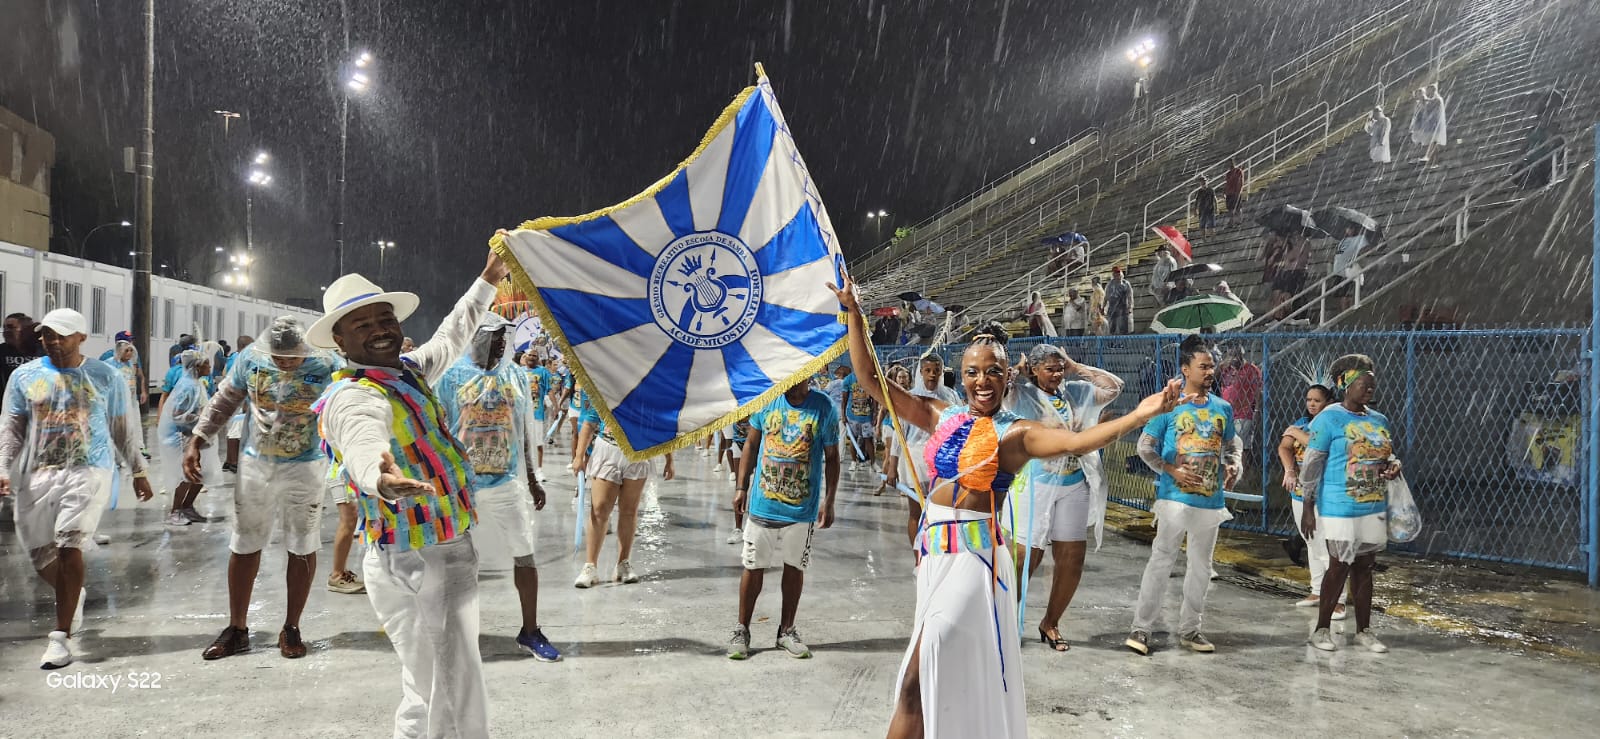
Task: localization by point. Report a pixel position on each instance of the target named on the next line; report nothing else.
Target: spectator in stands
(1535, 169)
(1097, 304)
(1223, 291)
(1203, 202)
(1160, 286)
(21, 345)
(1233, 186)
(1074, 314)
(1039, 323)
(1118, 301)
(1428, 123)
(1241, 387)
(1077, 256)
(1345, 265)
(1289, 273)
(1377, 129)
(1180, 289)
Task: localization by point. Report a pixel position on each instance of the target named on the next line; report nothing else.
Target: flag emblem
(699, 300)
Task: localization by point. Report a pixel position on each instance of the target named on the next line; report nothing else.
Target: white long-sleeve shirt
(357, 419)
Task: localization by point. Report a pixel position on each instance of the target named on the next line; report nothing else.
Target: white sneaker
(717, 468)
(539, 475)
(1323, 640)
(733, 477)
(704, 452)
(1338, 612)
(1364, 638)
(586, 578)
(624, 573)
(102, 539)
(737, 537)
(58, 653)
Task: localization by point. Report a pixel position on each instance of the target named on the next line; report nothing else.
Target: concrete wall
(26, 154)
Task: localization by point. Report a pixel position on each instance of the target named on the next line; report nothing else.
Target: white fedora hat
(348, 293)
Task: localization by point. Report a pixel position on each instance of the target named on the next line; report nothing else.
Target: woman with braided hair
(1344, 482)
(961, 675)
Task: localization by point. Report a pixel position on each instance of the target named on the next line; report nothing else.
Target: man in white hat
(387, 433)
(489, 404)
(66, 419)
(283, 474)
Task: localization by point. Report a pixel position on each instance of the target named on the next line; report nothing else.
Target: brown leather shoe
(232, 641)
(289, 643)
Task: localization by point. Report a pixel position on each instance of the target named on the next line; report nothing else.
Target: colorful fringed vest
(424, 450)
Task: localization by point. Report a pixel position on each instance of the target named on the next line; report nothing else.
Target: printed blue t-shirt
(789, 458)
(1196, 435)
(1358, 446)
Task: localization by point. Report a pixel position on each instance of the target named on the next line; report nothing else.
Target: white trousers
(427, 600)
(1316, 551)
(1173, 522)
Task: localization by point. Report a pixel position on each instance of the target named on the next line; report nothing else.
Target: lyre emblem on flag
(699, 300)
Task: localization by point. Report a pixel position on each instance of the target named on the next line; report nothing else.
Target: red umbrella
(887, 310)
(1176, 238)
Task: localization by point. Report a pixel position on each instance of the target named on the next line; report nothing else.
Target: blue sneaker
(535, 644)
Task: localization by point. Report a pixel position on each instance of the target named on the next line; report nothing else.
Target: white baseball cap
(64, 321)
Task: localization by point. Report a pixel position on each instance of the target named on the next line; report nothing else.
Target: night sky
(483, 114)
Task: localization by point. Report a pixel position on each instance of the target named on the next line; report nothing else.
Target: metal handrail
(996, 296)
(988, 186)
(1276, 145)
(1358, 32)
(1451, 213)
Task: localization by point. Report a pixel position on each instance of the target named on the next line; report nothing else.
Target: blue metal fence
(1491, 426)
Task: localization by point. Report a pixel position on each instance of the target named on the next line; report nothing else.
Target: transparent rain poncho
(489, 410)
(282, 427)
(179, 414)
(76, 417)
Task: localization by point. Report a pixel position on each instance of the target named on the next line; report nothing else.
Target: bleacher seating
(1486, 59)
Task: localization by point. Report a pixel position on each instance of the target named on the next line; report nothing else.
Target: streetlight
(356, 80)
(83, 246)
(258, 178)
(383, 249)
(1140, 55)
(877, 217)
(227, 117)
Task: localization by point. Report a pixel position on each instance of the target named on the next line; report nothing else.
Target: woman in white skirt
(1292, 453)
(901, 376)
(962, 674)
(929, 383)
(1344, 481)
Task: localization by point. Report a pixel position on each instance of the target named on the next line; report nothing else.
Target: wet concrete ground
(646, 660)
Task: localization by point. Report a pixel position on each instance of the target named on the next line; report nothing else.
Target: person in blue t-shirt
(1195, 451)
(1344, 482)
(1292, 453)
(541, 383)
(614, 482)
(791, 453)
(858, 410)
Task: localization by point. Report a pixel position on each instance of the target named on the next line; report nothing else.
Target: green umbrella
(1212, 312)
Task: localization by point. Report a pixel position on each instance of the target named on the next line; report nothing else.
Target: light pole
(383, 249)
(258, 178)
(239, 274)
(877, 217)
(83, 246)
(145, 190)
(1139, 55)
(357, 79)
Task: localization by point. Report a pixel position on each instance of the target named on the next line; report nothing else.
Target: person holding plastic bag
(67, 418)
(1057, 517)
(180, 411)
(1344, 482)
(283, 474)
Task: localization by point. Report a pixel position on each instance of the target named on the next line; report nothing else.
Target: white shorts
(607, 463)
(766, 547)
(505, 514)
(268, 492)
(537, 431)
(1060, 513)
(862, 429)
(1349, 538)
(60, 507)
(236, 427)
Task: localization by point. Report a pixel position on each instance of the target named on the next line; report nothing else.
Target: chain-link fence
(1489, 425)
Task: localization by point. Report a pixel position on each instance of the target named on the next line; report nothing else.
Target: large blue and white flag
(699, 300)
